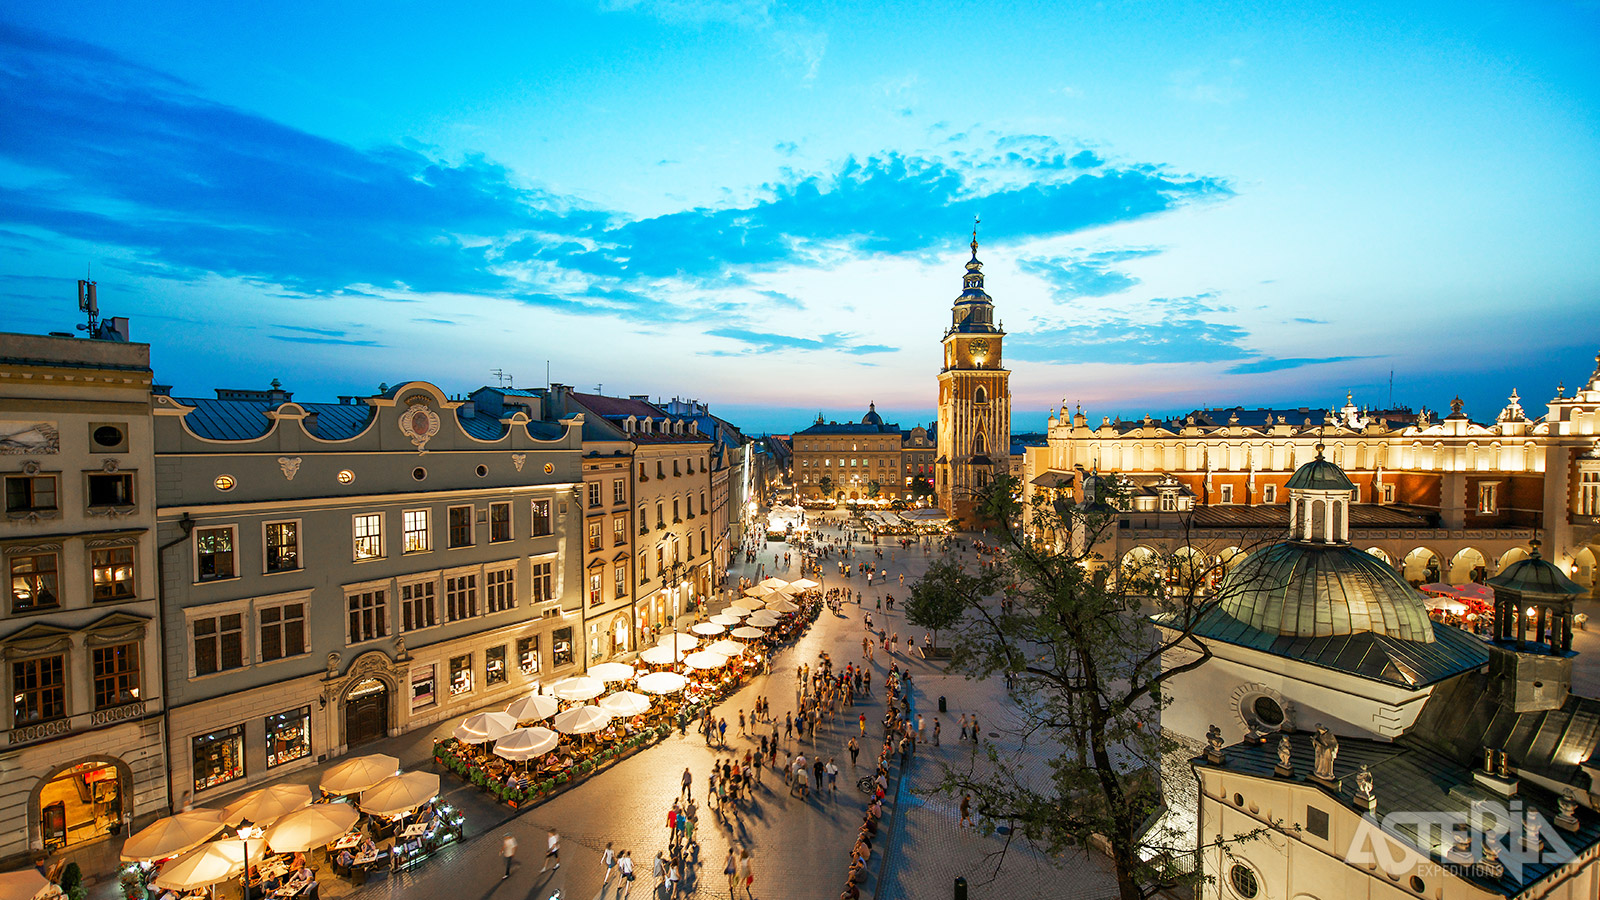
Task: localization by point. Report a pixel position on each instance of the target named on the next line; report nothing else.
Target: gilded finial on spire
(975, 221)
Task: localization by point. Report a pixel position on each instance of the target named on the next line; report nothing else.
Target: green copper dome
(1319, 475)
(1300, 589)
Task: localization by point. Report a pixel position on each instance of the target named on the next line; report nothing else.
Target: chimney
(469, 408)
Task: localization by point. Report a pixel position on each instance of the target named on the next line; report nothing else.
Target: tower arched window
(978, 444)
(979, 395)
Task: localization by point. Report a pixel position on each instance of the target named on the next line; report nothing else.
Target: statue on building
(1365, 798)
(1285, 766)
(333, 665)
(1214, 744)
(1325, 747)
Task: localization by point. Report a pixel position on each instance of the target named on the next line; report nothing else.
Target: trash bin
(941, 703)
(961, 889)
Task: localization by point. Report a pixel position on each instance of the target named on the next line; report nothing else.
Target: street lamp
(246, 831)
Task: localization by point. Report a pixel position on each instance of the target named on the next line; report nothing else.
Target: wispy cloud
(1086, 274)
(343, 342)
(1261, 366)
(766, 341)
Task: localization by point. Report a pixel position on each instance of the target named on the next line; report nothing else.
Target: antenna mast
(501, 378)
(88, 303)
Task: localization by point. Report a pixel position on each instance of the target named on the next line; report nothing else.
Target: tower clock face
(979, 347)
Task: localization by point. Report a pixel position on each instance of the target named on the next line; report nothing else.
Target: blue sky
(766, 206)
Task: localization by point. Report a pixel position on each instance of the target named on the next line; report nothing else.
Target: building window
(500, 590)
(218, 643)
(460, 526)
(1488, 499)
(30, 493)
(528, 655)
(702, 503)
(282, 631)
(702, 540)
(1243, 881)
(1269, 494)
(34, 582)
(283, 546)
(1387, 493)
(541, 518)
(619, 530)
(38, 689)
(1589, 494)
(494, 665)
(561, 646)
(661, 518)
(460, 597)
(416, 606)
(218, 758)
(619, 491)
(596, 585)
(596, 541)
(460, 675)
(112, 574)
(111, 490)
(644, 571)
(116, 675)
(499, 522)
(288, 736)
(369, 615)
(1169, 502)
(368, 536)
(594, 493)
(422, 686)
(213, 548)
(542, 589)
(620, 581)
(414, 526)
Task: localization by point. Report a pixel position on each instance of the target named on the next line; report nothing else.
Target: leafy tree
(827, 486)
(921, 488)
(872, 489)
(940, 598)
(1090, 681)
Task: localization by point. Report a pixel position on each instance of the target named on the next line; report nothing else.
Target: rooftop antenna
(1391, 388)
(547, 374)
(88, 303)
(500, 377)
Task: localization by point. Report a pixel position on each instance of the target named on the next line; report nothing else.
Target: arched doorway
(619, 634)
(366, 712)
(1468, 566)
(1583, 565)
(1422, 566)
(1188, 568)
(81, 802)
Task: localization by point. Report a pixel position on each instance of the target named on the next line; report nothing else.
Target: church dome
(1536, 575)
(872, 417)
(1319, 475)
(1304, 589)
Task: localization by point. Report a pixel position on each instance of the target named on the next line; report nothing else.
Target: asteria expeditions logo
(1491, 838)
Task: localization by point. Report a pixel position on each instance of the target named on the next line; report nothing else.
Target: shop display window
(218, 758)
(288, 736)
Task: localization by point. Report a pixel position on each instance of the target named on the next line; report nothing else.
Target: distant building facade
(336, 573)
(1450, 500)
(81, 755)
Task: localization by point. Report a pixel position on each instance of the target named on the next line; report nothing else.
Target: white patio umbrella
(582, 720)
(783, 606)
(487, 726)
(735, 612)
(264, 806)
(708, 628)
(726, 620)
(705, 659)
(804, 584)
(311, 827)
(578, 687)
(209, 864)
(758, 591)
(774, 582)
(625, 703)
(658, 656)
(526, 743)
(663, 683)
(532, 708)
(356, 775)
(748, 631)
(171, 835)
(400, 793)
(749, 603)
(726, 648)
(766, 618)
(611, 671)
(25, 884)
(684, 642)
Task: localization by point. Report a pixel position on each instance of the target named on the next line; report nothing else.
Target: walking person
(688, 784)
(936, 732)
(610, 859)
(730, 868)
(554, 851)
(508, 849)
(966, 810)
(658, 871)
(625, 866)
(745, 875)
(855, 749)
(963, 726)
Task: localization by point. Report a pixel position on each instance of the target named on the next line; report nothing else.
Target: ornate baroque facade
(974, 428)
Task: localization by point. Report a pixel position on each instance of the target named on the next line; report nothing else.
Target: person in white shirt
(554, 852)
(625, 865)
(610, 859)
(508, 849)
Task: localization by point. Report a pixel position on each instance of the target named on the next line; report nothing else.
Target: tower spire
(975, 221)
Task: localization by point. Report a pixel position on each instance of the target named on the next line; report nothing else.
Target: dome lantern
(1319, 502)
(1537, 584)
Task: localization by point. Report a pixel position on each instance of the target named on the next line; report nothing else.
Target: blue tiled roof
(245, 420)
(483, 427)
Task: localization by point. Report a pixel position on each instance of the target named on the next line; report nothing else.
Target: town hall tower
(974, 400)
